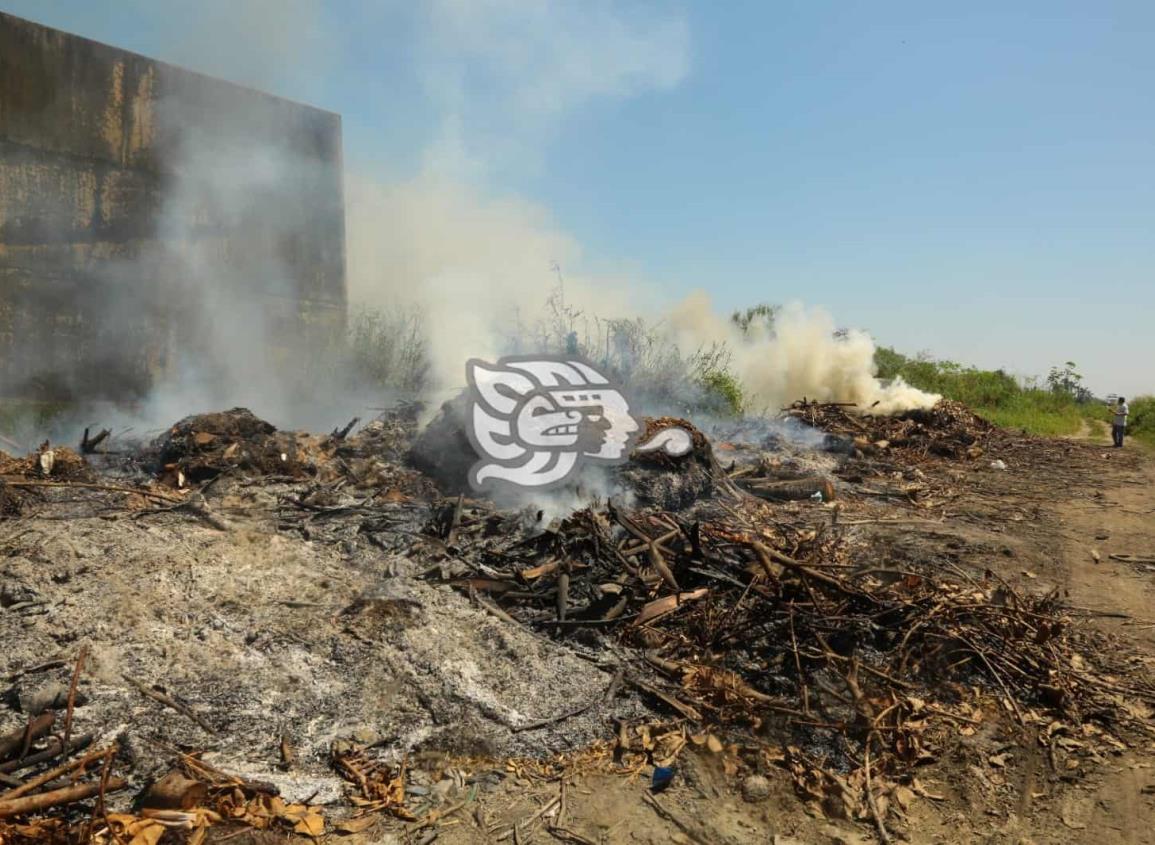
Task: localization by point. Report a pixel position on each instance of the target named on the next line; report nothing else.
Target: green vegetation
(761, 316)
(726, 391)
(1064, 406)
(643, 356)
(1142, 421)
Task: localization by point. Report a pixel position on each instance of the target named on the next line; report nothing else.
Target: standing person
(1120, 426)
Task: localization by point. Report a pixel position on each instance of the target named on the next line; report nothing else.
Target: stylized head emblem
(534, 421)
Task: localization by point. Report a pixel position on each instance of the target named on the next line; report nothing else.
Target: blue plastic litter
(662, 777)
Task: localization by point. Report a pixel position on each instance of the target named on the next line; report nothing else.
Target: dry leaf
(311, 825)
(357, 824)
(148, 833)
(538, 571)
(904, 795)
(668, 604)
(292, 812)
(920, 790)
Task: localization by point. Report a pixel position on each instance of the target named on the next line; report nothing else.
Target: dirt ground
(277, 636)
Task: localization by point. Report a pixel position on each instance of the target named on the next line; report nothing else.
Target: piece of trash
(755, 788)
(663, 775)
(998, 464)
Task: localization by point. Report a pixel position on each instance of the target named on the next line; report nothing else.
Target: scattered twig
(878, 822)
(52, 774)
(83, 485)
(669, 815)
(22, 739)
(72, 687)
(169, 701)
(66, 795)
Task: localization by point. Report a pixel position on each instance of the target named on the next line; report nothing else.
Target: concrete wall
(151, 217)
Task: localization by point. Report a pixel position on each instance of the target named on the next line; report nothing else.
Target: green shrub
(1141, 422)
(726, 391)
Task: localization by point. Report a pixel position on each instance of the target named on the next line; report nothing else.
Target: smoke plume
(489, 271)
(802, 355)
(477, 263)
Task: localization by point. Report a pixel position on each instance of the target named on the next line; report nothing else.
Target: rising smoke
(478, 264)
(802, 354)
(502, 78)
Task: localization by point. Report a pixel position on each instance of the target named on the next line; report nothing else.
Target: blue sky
(974, 180)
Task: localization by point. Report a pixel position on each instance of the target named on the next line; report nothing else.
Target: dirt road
(1115, 517)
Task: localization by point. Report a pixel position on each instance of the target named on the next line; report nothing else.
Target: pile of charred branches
(949, 429)
(44, 766)
(735, 621)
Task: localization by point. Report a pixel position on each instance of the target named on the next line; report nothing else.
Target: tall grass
(994, 394)
(1141, 423)
(387, 349)
(642, 356)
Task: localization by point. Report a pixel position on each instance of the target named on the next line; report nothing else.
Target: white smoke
(502, 78)
(477, 264)
(804, 355)
(478, 267)
(506, 74)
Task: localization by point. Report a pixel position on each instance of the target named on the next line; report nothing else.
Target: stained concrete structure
(152, 218)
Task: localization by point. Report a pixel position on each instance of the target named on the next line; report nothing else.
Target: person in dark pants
(1120, 426)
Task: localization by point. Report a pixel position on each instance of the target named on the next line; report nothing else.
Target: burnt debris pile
(720, 593)
(202, 446)
(674, 482)
(949, 429)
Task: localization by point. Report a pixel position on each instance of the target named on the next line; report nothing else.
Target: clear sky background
(974, 180)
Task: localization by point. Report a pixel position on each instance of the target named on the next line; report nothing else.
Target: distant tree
(757, 316)
(889, 362)
(1067, 381)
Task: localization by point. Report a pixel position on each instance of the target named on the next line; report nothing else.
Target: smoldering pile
(948, 429)
(19, 477)
(692, 605)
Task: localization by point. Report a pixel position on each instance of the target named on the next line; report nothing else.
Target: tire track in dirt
(1116, 518)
